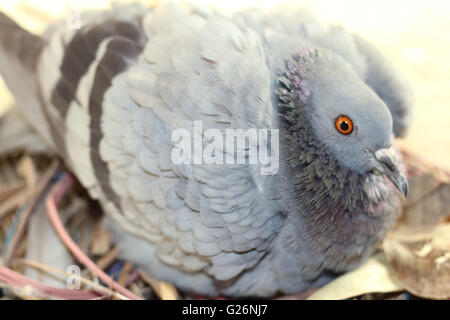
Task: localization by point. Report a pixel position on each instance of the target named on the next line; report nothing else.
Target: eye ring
(344, 125)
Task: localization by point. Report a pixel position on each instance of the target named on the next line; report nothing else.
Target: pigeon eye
(344, 125)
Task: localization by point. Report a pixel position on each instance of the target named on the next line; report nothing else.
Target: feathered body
(107, 97)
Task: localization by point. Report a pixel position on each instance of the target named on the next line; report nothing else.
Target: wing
(211, 218)
(119, 102)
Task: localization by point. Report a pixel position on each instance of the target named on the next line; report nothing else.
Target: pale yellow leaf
(371, 277)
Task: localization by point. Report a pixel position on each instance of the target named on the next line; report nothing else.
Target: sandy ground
(413, 33)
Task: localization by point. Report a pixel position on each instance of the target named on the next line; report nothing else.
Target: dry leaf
(164, 290)
(101, 239)
(419, 258)
(27, 170)
(371, 277)
(428, 202)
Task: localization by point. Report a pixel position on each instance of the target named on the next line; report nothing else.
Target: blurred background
(414, 34)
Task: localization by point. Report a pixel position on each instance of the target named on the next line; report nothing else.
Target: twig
(53, 199)
(123, 278)
(95, 286)
(41, 187)
(107, 259)
(18, 291)
(15, 201)
(132, 278)
(16, 279)
(11, 189)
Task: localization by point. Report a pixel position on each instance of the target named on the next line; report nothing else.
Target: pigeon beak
(387, 164)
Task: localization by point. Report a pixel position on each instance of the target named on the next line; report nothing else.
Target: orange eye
(344, 125)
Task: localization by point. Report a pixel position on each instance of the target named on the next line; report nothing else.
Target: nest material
(416, 253)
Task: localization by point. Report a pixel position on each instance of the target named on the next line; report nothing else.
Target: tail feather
(19, 43)
(19, 58)
(16, 134)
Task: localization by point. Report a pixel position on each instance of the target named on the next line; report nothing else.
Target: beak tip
(405, 189)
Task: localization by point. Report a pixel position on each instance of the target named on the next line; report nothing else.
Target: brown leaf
(428, 202)
(101, 239)
(419, 259)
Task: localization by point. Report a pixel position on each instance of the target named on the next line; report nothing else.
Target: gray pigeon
(107, 97)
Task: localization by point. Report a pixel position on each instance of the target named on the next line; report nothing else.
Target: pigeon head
(334, 121)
